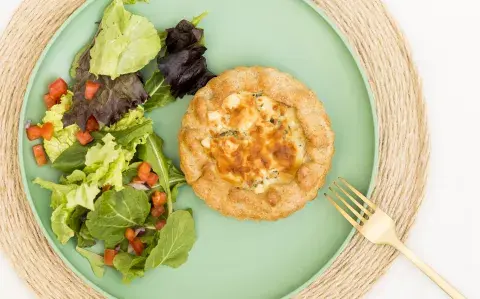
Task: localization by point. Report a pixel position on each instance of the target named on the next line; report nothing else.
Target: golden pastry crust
(222, 166)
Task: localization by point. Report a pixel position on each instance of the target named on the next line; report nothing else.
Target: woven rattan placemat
(403, 146)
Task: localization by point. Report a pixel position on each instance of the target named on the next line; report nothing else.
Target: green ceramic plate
(232, 259)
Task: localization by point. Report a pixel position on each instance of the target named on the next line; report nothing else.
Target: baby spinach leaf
(158, 91)
(72, 158)
(130, 173)
(175, 176)
(149, 236)
(175, 191)
(84, 238)
(176, 240)
(78, 218)
(96, 261)
(115, 212)
(190, 211)
(150, 241)
(129, 265)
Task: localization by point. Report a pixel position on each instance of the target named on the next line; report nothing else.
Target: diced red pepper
(91, 89)
(49, 101)
(92, 124)
(157, 211)
(39, 154)
(137, 246)
(106, 188)
(152, 179)
(34, 132)
(47, 131)
(58, 88)
(159, 198)
(144, 171)
(108, 256)
(160, 224)
(84, 137)
(130, 234)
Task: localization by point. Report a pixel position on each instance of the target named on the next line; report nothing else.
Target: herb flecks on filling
(255, 141)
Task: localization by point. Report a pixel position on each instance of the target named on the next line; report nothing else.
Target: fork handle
(440, 281)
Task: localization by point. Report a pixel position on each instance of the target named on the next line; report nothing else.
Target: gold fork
(379, 228)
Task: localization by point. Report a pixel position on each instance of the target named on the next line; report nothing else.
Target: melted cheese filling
(255, 141)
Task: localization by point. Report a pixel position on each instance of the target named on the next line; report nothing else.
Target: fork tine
(366, 200)
(348, 205)
(345, 214)
(354, 200)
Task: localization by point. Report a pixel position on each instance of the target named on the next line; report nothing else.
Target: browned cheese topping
(255, 141)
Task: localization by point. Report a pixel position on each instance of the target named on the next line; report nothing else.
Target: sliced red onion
(139, 186)
(130, 249)
(117, 249)
(28, 123)
(139, 231)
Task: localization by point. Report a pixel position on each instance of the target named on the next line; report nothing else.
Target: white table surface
(445, 37)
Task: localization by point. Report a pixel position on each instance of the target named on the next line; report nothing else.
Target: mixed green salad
(118, 188)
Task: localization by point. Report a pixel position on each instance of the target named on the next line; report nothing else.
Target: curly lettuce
(125, 43)
(62, 138)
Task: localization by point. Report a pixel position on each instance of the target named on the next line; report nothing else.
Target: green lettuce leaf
(158, 91)
(83, 196)
(176, 240)
(96, 261)
(62, 138)
(55, 114)
(125, 43)
(59, 192)
(60, 142)
(60, 226)
(116, 211)
(76, 176)
(105, 163)
(132, 118)
(71, 195)
(113, 177)
(98, 154)
(129, 265)
(131, 130)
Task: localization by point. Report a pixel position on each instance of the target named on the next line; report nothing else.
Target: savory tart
(256, 143)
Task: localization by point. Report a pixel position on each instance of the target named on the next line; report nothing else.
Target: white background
(445, 37)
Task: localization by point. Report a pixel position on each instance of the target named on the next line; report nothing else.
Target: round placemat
(403, 147)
